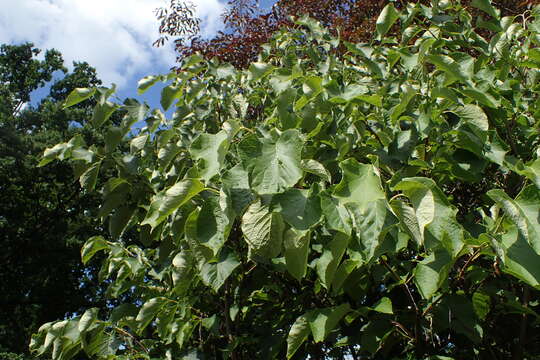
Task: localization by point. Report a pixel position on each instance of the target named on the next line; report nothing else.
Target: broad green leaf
(146, 83)
(167, 201)
(236, 184)
(274, 165)
(407, 218)
(327, 264)
(296, 245)
(149, 311)
(299, 333)
(78, 95)
(138, 143)
(485, 6)
(215, 274)
(476, 118)
(483, 97)
(258, 70)
(432, 272)
(520, 259)
(263, 230)
(337, 216)
(481, 303)
(88, 319)
(169, 94)
(209, 151)
(119, 220)
(300, 208)
(406, 96)
(383, 306)
(323, 321)
(371, 223)
(91, 247)
(208, 227)
(314, 167)
(449, 66)
(435, 217)
(113, 137)
(386, 19)
(523, 211)
(102, 112)
(89, 178)
(360, 184)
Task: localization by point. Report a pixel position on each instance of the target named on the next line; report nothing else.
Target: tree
(43, 222)
(248, 26)
(378, 203)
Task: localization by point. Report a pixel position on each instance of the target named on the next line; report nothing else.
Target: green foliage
(372, 200)
(44, 216)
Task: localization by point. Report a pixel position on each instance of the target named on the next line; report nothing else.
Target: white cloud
(114, 36)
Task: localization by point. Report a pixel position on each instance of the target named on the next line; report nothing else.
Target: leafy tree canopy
(333, 200)
(42, 218)
(248, 25)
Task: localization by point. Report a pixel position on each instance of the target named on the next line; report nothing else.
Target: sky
(114, 36)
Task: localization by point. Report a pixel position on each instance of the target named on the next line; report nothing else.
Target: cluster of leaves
(42, 219)
(249, 26)
(380, 202)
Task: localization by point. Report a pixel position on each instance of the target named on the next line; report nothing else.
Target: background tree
(44, 216)
(248, 25)
(380, 203)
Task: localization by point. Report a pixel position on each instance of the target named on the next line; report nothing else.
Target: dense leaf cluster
(381, 203)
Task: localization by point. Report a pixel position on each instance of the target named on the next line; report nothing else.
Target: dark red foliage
(248, 27)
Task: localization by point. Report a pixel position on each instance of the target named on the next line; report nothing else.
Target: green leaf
(296, 246)
(483, 97)
(88, 319)
(137, 144)
(209, 150)
(91, 247)
(360, 184)
(263, 230)
(520, 259)
(102, 112)
(215, 274)
(78, 95)
(404, 100)
(435, 217)
(300, 208)
(481, 304)
(371, 222)
(208, 227)
(383, 306)
(258, 70)
(146, 83)
(236, 184)
(476, 118)
(331, 257)
(323, 321)
(119, 220)
(274, 165)
(169, 94)
(407, 218)
(297, 335)
(432, 272)
(523, 211)
(337, 216)
(88, 179)
(485, 6)
(167, 201)
(386, 19)
(314, 167)
(149, 311)
(449, 66)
